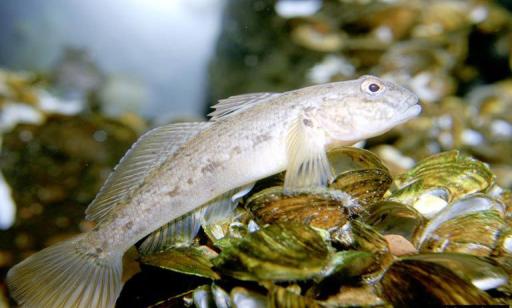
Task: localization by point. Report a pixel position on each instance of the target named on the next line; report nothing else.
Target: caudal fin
(65, 275)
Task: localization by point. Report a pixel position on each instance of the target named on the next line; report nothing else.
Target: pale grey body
(229, 155)
(280, 132)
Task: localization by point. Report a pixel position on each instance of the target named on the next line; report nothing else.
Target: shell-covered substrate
(438, 234)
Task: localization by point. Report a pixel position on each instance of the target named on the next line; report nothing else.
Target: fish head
(367, 107)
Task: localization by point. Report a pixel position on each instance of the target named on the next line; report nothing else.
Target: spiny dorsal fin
(151, 150)
(182, 231)
(235, 104)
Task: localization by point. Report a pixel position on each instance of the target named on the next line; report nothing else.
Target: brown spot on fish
(307, 122)
(210, 167)
(261, 138)
(236, 150)
(174, 192)
(128, 225)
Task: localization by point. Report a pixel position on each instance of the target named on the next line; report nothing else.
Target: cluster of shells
(436, 234)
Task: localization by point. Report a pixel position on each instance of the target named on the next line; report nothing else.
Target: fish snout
(411, 99)
(409, 106)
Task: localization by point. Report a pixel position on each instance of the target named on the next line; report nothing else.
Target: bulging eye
(372, 86)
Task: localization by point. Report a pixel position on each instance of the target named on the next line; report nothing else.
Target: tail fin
(65, 275)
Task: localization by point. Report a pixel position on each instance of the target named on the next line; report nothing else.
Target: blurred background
(81, 80)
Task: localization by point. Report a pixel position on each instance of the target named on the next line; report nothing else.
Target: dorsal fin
(235, 104)
(150, 151)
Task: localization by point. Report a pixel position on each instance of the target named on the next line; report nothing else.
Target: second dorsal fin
(150, 151)
(235, 104)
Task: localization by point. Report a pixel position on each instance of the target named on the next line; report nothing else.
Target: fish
(179, 176)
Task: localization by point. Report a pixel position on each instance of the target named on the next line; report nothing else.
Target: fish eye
(372, 86)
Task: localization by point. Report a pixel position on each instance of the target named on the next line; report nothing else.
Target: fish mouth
(411, 111)
(411, 100)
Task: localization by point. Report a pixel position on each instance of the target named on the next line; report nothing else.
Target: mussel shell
(504, 245)
(409, 282)
(471, 204)
(428, 201)
(356, 296)
(277, 252)
(348, 264)
(235, 226)
(388, 217)
(474, 233)
(206, 296)
(358, 173)
(279, 297)
(408, 194)
(321, 209)
(203, 297)
(241, 297)
(483, 273)
(221, 297)
(344, 158)
(459, 174)
(431, 202)
(268, 182)
(356, 235)
(504, 196)
(367, 186)
(190, 260)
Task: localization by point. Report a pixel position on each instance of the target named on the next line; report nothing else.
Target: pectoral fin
(308, 166)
